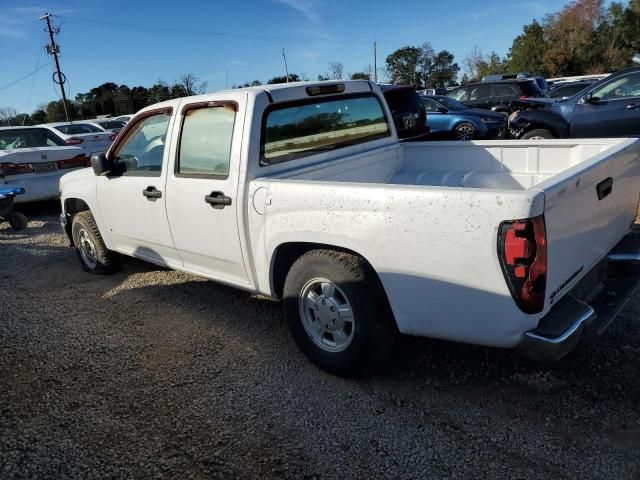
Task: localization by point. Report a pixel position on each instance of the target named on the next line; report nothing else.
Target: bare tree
(192, 84)
(335, 70)
(473, 63)
(7, 114)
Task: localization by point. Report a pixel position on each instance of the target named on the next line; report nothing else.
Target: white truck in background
(303, 192)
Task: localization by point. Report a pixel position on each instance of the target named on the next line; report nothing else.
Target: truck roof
(281, 92)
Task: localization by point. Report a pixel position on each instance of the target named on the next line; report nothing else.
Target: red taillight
(16, 168)
(78, 161)
(113, 137)
(73, 141)
(524, 97)
(522, 249)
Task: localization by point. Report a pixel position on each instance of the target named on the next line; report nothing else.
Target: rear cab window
(298, 129)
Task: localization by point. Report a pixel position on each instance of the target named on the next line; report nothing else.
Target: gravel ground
(156, 374)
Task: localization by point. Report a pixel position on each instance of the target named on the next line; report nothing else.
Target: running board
(628, 250)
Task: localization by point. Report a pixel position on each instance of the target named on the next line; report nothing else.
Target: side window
(142, 150)
(480, 91)
(625, 86)
(430, 105)
(205, 141)
(503, 91)
(460, 94)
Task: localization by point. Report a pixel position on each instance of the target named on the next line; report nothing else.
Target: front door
(202, 189)
(613, 112)
(132, 197)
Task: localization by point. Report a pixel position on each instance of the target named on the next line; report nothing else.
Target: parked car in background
(496, 96)
(311, 198)
(608, 108)
(407, 110)
(34, 158)
(564, 90)
(123, 118)
(109, 124)
(90, 137)
(540, 81)
(448, 118)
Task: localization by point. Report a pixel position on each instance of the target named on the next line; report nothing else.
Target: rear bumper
(38, 188)
(589, 308)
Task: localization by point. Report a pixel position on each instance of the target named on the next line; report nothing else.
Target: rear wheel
(337, 311)
(465, 131)
(95, 257)
(537, 134)
(17, 220)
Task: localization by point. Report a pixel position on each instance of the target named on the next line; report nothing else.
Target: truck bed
(426, 216)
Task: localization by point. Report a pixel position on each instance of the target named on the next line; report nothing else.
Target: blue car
(449, 119)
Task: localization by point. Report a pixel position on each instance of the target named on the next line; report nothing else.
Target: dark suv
(496, 96)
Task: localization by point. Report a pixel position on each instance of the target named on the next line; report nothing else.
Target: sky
(222, 42)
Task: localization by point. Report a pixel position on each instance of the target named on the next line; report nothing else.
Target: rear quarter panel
(435, 249)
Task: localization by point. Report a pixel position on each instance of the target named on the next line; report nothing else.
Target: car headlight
(490, 120)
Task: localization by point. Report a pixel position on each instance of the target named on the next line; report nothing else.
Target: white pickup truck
(303, 192)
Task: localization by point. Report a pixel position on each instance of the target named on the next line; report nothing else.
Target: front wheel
(94, 256)
(17, 220)
(337, 311)
(465, 131)
(537, 134)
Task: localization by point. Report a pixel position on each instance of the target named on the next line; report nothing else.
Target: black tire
(538, 133)
(94, 256)
(17, 220)
(373, 329)
(465, 131)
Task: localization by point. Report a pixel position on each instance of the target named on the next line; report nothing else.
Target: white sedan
(34, 158)
(83, 134)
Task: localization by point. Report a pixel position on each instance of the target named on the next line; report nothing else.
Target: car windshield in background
(451, 104)
(302, 129)
(112, 124)
(77, 129)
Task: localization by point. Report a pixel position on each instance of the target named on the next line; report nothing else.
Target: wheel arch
(72, 206)
(540, 126)
(285, 255)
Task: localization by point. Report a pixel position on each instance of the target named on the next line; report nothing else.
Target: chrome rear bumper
(579, 316)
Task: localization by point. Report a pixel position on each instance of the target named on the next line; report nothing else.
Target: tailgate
(588, 209)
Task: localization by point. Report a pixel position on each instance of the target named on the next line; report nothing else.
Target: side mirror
(100, 164)
(442, 110)
(589, 98)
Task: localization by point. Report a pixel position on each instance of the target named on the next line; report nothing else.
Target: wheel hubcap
(326, 315)
(87, 249)
(465, 133)
(536, 138)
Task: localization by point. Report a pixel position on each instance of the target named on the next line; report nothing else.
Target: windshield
(451, 104)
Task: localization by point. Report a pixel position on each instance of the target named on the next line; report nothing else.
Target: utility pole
(54, 49)
(286, 70)
(375, 61)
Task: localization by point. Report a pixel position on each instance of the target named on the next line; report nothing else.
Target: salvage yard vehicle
(93, 138)
(34, 158)
(608, 108)
(303, 192)
(17, 220)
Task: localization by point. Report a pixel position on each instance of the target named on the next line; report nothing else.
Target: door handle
(604, 188)
(217, 200)
(632, 106)
(152, 192)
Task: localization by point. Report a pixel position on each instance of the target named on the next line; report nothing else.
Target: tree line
(581, 38)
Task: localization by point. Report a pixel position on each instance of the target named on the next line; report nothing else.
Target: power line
(25, 77)
(53, 49)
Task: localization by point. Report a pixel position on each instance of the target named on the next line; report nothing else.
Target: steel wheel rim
(327, 315)
(87, 249)
(465, 132)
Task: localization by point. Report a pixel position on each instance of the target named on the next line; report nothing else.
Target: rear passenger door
(202, 188)
(502, 96)
(479, 96)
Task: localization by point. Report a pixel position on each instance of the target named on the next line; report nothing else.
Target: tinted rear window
(77, 129)
(315, 125)
(530, 88)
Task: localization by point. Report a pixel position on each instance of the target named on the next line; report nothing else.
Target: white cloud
(304, 7)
